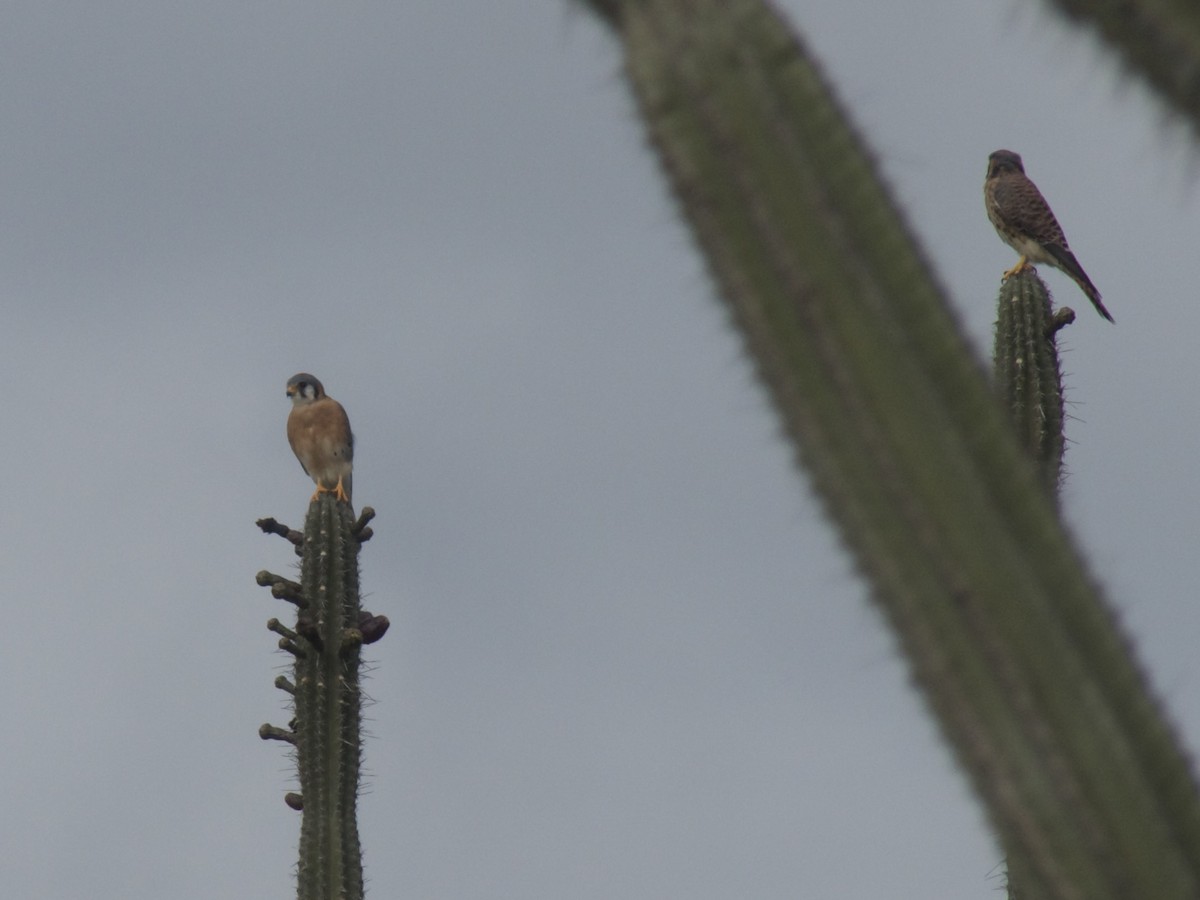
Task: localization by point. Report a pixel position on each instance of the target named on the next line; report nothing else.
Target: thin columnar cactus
(1017, 653)
(326, 730)
(1028, 378)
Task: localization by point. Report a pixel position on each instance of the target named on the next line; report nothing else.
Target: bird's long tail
(1069, 264)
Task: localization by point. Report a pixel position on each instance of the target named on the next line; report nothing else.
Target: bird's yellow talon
(1021, 266)
(339, 492)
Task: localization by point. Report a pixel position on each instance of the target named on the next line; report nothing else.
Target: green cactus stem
(327, 728)
(1028, 378)
(328, 707)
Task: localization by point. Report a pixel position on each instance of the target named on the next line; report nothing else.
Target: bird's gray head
(304, 388)
(1004, 161)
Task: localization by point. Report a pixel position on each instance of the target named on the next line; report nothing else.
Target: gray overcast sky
(627, 656)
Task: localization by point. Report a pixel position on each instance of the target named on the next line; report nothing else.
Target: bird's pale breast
(320, 436)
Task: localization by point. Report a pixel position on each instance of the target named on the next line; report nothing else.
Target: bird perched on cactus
(319, 431)
(1024, 221)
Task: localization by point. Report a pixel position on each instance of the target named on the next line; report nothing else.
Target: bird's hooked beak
(291, 390)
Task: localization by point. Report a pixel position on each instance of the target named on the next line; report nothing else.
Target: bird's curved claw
(339, 492)
(1021, 266)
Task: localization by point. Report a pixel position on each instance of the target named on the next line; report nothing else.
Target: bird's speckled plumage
(319, 431)
(1024, 221)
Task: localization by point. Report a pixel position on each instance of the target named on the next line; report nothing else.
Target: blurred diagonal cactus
(326, 730)
(1016, 651)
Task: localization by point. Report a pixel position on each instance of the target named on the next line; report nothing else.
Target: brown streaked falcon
(1024, 221)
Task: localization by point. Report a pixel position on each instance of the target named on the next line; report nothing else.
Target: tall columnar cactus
(326, 729)
(1027, 373)
(1015, 649)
